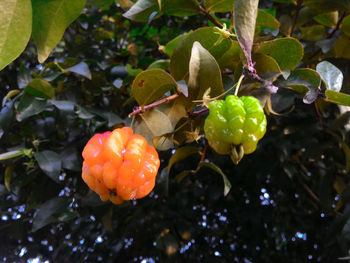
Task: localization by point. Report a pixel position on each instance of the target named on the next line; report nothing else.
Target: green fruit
(235, 125)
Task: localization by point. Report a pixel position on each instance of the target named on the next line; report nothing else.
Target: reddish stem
(199, 112)
(140, 109)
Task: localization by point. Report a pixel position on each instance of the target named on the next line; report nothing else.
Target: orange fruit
(120, 165)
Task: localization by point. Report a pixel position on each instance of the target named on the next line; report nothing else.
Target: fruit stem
(238, 84)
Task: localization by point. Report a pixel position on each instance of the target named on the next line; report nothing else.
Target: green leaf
(218, 6)
(40, 88)
(267, 20)
(346, 150)
(231, 57)
(150, 85)
(204, 73)
(181, 7)
(172, 44)
(15, 29)
(288, 52)
(286, 24)
(8, 177)
(331, 75)
(215, 168)
(133, 72)
(266, 66)
(327, 5)
(313, 33)
(29, 106)
(329, 19)
(245, 15)
(181, 154)
(305, 80)
(341, 47)
(345, 26)
(155, 123)
(337, 97)
(81, 69)
(161, 64)
(46, 213)
(206, 36)
(174, 110)
(15, 153)
(50, 162)
(50, 20)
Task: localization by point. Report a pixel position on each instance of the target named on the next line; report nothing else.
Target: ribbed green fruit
(235, 124)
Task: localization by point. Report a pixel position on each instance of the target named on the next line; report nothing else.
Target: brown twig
(199, 112)
(210, 17)
(299, 5)
(140, 109)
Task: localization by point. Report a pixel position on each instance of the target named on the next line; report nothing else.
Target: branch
(140, 109)
(299, 4)
(210, 17)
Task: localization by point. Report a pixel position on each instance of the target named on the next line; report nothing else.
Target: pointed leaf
(245, 14)
(142, 10)
(155, 123)
(29, 106)
(50, 162)
(305, 80)
(215, 168)
(331, 75)
(81, 69)
(150, 85)
(172, 44)
(15, 29)
(50, 20)
(204, 73)
(181, 154)
(40, 88)
(206, 36)
(338, 97)
(288, 52)
(45, 214)
(327, 19)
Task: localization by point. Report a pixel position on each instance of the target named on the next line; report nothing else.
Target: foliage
(156, 64)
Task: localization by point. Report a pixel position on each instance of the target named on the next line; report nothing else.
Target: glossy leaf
(146, 10)
(29, 106)
(15, 29)
(46, 212)
(267, 20)
(40, 88)
(337, 97)
(245, 15)
(204, 73)
(305, 80)
(50, 20)
(155, 123)
(81, 69)
(206, 36)
(181, 154)
(331, 75)
(150, 85)
(50, 162)
(219, 6)
(215, 168)
(288, 52)
(161, 64)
